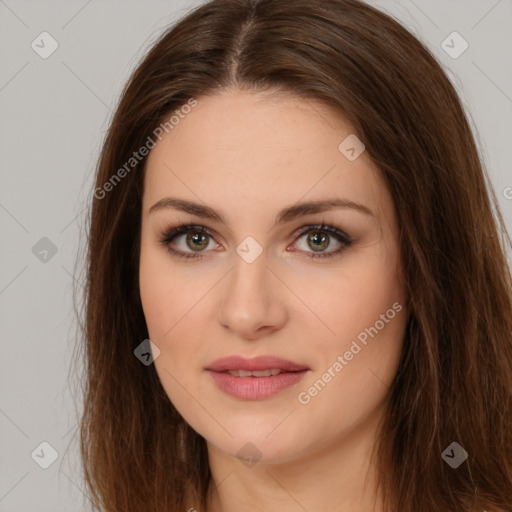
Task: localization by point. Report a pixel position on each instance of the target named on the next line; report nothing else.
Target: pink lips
(255, 388)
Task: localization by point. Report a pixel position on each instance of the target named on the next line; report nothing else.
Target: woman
(297, 294)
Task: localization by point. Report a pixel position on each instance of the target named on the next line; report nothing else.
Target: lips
(255, 379)
(256, 364)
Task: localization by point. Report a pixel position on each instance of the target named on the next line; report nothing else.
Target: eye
(198, 238)
(319, 238)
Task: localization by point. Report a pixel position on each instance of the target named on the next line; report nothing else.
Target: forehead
(256, 124)
(249, 149)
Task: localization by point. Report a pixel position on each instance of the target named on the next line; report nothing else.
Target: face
(258, 274)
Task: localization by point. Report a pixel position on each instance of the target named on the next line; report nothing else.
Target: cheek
(165, 310)
(160, 292)
(349, 298)
(171, 320)
(163, 288)
(362, 307)
(171, 302)
(358, 365)
(155, 302)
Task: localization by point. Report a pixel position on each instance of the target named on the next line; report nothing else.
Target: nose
(252, 303)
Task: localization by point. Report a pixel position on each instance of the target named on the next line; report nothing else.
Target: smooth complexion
(249, 156)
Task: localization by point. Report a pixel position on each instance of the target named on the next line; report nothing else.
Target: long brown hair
(454, 382)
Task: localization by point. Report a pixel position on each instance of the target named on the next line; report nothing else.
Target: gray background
(53, 115)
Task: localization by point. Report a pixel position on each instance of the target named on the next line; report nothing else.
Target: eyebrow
(285, 215)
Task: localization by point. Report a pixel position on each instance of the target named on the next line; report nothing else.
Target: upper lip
(257, 363)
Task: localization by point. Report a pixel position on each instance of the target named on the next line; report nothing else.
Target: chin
(257, 450)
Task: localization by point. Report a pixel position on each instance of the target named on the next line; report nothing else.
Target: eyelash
(170, 233)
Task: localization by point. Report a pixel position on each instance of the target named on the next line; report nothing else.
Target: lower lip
(255, 388)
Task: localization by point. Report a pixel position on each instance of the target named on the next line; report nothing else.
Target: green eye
(319, 238)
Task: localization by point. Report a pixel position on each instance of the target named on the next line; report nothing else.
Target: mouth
(255, 373)
(255, 365)
(255, 379)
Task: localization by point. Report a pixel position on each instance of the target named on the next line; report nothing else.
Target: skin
(249, 155)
